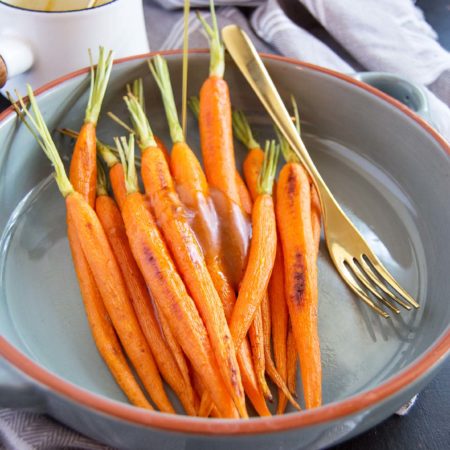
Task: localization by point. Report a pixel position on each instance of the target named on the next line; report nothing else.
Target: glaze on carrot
(112, 223)
(167, 287)
(181, 239)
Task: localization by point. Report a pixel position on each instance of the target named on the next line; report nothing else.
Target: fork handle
(251, 66)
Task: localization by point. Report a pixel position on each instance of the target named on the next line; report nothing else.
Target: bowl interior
(390, 176)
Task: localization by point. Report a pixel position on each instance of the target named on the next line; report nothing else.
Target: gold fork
(352, 256)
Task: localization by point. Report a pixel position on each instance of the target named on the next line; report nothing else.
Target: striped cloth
(344, 35)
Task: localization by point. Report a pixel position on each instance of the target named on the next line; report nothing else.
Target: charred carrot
(103, 265)
(168, 289)
(180, 237)
(83, 166)
(294, 221)
(112, 223)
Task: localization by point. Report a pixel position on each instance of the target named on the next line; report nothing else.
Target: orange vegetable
(114, 227)
(180, 238)
(168, 289)
(294, 221)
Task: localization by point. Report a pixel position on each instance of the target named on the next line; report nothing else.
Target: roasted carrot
(105, 337)
(262, 251)
(279, 316)
(168, 289)
(244, 194)
(252, 171)
(112, 223)
(180, 238)
(104, 267)
(291, 362)
(216, 139)
(83, 166)
(294, 222)
(255, 333)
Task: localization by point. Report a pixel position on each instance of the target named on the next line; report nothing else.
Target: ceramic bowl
(389, 170)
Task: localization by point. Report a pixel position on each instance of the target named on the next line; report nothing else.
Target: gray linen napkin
(382, 35)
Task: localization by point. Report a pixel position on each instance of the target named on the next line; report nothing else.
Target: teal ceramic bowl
(389, 170)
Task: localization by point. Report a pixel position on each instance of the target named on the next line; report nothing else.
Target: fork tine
(359, 274)
(346, 275)
(388, 278)
(371, 274)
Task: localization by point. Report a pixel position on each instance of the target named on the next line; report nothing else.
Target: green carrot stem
(269, 168)
(138, 91)
(34, 121)
(217, 61)
(194, 105)
(158, 67)
(126, 154)
(296, 115)
(286, 150)
(102, 181)
(243, 131)
(99, 81)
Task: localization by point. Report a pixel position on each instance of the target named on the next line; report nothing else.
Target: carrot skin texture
(112, 223)
(259, 267)
(216, 137)
(255, 333)
(294, 220)
(105, 337)
(279, 316)
(112, 288)
(252, 167)
(83, 165)
(191, 263)
(172, 299)
(291, 363)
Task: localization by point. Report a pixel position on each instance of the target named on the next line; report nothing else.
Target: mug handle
(16, 392)
(405, 91)
(15, 57)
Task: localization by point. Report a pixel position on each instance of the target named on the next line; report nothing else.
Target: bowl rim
(194, 425)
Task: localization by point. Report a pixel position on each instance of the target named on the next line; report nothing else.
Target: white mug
(37, 46)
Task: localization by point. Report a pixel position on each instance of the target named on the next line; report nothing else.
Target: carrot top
(269, 168)
(102, 181)
(194, 105)
(38, 128)
(217, 61)
(136, 107)
(99, 81)
(242, 130)
(126, 153)
(286, 150)
(158, 67)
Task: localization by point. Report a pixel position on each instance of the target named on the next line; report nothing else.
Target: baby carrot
(252, 171)
(279, 316)
(180, 238)
(294, 221)
(291, 362)
(83, 166)
(103, 265)
(262, 251)
(112, 223)
(168, 289)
